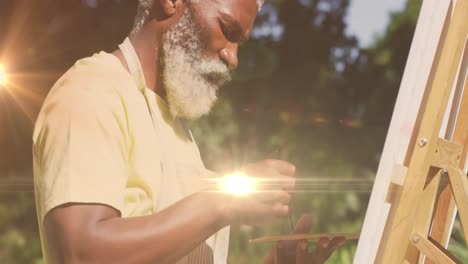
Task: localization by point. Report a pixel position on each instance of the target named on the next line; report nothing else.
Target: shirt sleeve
(80, 150)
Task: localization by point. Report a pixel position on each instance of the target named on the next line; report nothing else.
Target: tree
(306, 88)
(304, 92)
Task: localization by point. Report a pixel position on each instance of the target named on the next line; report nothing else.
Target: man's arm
(81, 150)
(90, 233)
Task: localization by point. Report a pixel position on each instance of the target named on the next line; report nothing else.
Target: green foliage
(320, 100)
(457, 244)
(19, 237)
(304, 92)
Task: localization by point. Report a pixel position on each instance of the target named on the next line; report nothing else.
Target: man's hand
(288, 252)
(265, 204)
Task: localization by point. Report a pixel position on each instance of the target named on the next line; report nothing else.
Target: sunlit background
(316, 86)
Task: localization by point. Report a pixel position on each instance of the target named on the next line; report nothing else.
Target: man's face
(199, 51)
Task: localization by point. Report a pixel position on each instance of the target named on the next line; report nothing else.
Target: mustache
(222, 75)
(215, 71)
(218, 78)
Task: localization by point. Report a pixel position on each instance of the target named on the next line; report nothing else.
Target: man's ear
(169, 7)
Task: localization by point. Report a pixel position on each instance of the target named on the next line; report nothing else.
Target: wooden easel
(408, 236)
(402, 224)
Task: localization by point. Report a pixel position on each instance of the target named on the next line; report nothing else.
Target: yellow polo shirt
(100, 138)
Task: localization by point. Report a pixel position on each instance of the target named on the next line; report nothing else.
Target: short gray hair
(260, 3)
(144, 7)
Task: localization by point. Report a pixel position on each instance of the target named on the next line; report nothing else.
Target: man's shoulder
(99, 73)
(94, 85)
(100, 78)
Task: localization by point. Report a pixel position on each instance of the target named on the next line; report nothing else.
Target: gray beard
(191, 80)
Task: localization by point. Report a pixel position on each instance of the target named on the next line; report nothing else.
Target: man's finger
(281, 197)
(323, 242)
(276, 210)
(321, 250)
(278, 182)
(270, 258)
(333, 245)
(281, 166)
(301, 252)
(304, 224)
(281, 253)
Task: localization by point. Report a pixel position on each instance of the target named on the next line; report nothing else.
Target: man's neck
(147, 45)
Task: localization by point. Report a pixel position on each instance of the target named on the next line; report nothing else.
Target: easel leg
(459, 184)
(446, 209)
(435, 253)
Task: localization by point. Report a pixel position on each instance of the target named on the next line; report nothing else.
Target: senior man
(116, 169)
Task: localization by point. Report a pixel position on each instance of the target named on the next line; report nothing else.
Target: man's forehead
(258, 3)
(233, 5)
(244, 11)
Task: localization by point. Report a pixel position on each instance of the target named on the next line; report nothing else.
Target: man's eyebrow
(234, 27)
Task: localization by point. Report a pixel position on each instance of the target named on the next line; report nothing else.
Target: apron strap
(136, 71)
(133, 63)
(216, 242)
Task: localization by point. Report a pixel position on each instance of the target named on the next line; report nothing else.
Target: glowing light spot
(238, 184)
(3, 76)
(352, 123)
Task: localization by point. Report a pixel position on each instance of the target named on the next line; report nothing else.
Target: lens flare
(3, 76)
(238, 184)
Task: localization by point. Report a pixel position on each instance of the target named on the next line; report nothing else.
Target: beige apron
(177, 178)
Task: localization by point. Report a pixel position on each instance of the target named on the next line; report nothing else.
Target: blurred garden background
(309, 89)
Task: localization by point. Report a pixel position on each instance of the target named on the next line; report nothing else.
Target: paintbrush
(276, 155)
(310, 237)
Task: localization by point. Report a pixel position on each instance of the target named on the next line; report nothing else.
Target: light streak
(3, 76)
(311, 185)
(238, 184)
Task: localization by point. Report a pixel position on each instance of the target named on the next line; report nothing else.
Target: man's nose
(229, 55)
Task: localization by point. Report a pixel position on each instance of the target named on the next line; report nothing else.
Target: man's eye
(229, 33)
